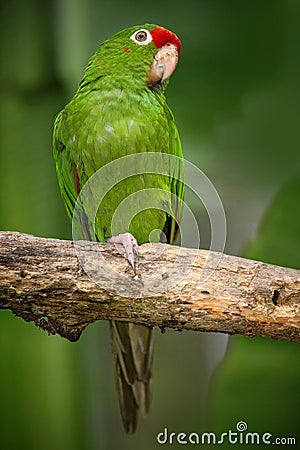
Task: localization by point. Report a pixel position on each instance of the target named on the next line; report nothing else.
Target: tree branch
(41, 280)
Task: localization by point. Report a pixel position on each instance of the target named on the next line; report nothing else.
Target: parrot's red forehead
(161, 36)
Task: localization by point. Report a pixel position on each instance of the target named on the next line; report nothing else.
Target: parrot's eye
(141, 37)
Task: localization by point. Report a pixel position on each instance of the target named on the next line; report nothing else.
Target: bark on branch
(43, 281)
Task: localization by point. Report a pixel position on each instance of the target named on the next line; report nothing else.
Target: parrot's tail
(132, 347)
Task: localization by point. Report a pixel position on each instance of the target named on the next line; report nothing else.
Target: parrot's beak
(164, 64)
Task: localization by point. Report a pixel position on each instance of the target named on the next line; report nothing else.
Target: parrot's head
(146, 53)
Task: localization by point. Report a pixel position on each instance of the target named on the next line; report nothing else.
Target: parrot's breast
(107, 126)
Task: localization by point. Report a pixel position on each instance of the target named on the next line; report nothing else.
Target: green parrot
(120, 109)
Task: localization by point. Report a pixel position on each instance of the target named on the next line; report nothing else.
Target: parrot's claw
(130, 244)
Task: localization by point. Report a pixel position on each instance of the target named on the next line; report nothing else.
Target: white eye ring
(141, 37)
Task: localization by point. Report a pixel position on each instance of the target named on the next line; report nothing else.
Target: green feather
(114, 113)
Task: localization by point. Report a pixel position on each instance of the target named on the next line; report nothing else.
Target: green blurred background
(235, 96)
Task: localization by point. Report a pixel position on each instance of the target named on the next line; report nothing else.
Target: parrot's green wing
(176, 180)
(65, 169)
(68, 177)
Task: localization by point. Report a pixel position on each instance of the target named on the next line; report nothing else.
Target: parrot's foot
(130, 244)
